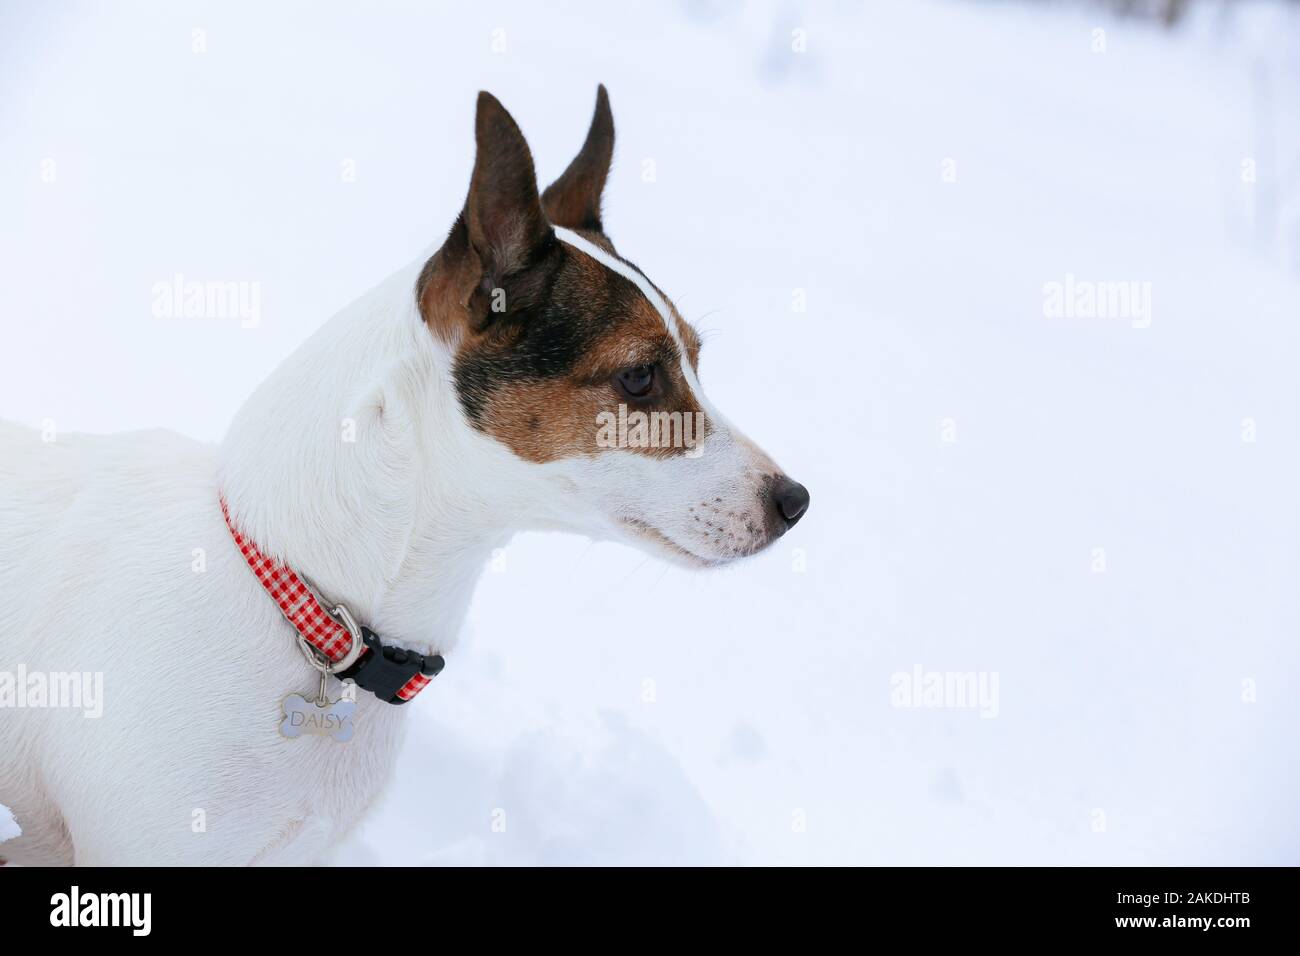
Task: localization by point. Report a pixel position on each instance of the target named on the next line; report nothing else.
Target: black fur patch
(547, 340)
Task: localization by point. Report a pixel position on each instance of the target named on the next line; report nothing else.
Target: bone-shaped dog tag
(301, 716)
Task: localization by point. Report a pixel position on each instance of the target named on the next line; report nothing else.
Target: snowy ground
(918, 175)
(9, 827)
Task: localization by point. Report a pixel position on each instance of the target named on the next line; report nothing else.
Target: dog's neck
(353, 464)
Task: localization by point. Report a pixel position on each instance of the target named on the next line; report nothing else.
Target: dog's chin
(651, 539)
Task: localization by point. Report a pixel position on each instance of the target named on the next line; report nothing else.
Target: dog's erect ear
(503, 213)
(500, 255)
(573, 200)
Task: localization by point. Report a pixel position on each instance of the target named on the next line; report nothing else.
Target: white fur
(97, 574)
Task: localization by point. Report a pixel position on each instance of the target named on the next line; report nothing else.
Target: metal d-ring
(316, 657)
(340, 615)
(343, 616)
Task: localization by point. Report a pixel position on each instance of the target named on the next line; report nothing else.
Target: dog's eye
(637, 381)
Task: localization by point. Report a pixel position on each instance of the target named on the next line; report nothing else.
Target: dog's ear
(573, 200)
(503, 217)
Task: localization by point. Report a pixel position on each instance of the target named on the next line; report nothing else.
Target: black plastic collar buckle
(386, 669)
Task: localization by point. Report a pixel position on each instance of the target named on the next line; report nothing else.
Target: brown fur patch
(540, 380)
(444, 287)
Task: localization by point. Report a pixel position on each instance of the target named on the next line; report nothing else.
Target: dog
(525, 376)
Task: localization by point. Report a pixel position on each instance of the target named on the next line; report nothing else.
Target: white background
(1122, 735)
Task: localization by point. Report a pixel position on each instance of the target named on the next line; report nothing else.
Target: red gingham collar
(309, 618)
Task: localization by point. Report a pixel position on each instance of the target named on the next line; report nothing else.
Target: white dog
(524, 377)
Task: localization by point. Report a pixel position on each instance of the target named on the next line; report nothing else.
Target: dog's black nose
(791, 499)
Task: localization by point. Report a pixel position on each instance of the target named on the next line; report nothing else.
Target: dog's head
(567, 355)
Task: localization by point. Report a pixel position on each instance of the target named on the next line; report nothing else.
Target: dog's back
(81, 515)
(65, 498)
(43, 477)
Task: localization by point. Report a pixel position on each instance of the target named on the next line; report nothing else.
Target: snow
(9, 828)
(604, 708)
